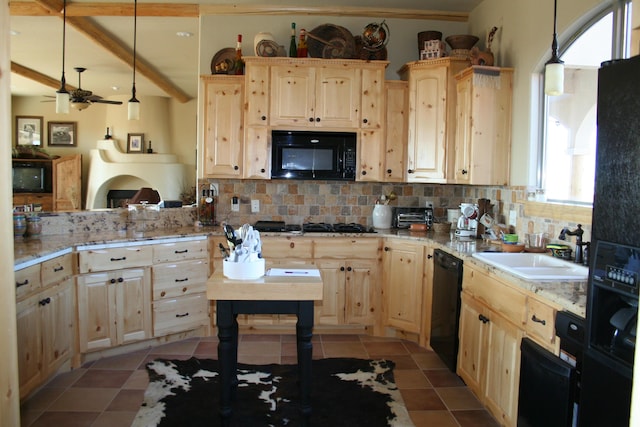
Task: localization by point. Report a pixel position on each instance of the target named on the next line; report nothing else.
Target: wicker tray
(330, 41)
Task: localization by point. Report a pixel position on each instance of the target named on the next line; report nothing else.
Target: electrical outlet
(255, 206)
(235, 204)
(513, 216)
(213, 186)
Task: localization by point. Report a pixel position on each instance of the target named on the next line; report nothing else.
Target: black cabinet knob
(410, 171)
(365, 121)
(263, 118)
(317, 119)
(262, 170)
(364, 172)
(311, 119)
(464, 172)
(388, 170)
(341, 268)
(236, 167)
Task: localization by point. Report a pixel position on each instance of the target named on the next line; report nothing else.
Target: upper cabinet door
(292, 95)
(372, 106)
(427, 125)
(223, 126)
(338, 97)
(256, 97)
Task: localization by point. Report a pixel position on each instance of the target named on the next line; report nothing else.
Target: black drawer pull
(182, 280)
(56, 269)
(119, 259)
(541, 321)
(182, 315)
(44, 301)
(181, 252)
(26, 282)
(483, 319)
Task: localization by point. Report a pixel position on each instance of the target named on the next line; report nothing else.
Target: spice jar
(19, 224)
(34, 227)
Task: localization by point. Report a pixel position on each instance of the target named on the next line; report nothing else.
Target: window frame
(621, 10)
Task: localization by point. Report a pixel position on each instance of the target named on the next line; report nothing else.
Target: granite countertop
(569, 295)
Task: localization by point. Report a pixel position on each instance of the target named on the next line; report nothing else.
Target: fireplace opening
(119, 198)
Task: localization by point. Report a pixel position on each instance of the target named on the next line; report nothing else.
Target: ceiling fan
(80, 99)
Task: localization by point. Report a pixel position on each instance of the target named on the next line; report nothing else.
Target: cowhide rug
(345, 392)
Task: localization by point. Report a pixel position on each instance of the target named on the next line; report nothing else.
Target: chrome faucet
(578, 232)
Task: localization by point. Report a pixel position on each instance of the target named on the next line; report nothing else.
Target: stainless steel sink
(534, 266)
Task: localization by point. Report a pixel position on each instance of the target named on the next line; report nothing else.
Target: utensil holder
(381, 216)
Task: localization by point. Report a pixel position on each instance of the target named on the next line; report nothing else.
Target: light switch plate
(255, 206)
(235, 207)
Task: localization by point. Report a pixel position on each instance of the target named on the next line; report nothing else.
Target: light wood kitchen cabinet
(351, 288)
(179, 283)
(45, 322)
(318, 94)
(403, 271)
(223, 127)
(256, 152)
(483, 126)
(489, 358)
(370, 154)
(114, 308)
(431, 119)
(495, 316)
(397, 112)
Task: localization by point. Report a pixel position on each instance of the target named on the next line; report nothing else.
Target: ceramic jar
(381, 216)
(19, 224)
(34, 226)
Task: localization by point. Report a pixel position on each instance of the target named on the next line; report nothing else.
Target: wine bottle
(150, 150)
(293, 50)
(239, 62)
(302, 44)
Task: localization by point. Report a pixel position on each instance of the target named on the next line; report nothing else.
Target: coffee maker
(467, 222)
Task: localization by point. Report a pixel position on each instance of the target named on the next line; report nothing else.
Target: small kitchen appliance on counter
(403, 217)
(468, 221)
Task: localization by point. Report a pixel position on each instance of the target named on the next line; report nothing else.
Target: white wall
(524, 42)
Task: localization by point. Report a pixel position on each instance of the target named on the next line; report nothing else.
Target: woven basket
(330, 41)
(441, 227)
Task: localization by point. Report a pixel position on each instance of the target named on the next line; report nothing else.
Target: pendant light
(62, 95)
(134, 104)
(554, 68)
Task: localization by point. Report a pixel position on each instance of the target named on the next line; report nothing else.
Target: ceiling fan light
(80, 105)
(62, 102)
(133, 109)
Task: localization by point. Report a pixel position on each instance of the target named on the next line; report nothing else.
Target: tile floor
(108, 392)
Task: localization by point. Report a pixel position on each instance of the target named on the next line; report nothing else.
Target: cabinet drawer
(346, 248)
(540, 322)
(114, 258)
(57, 269)
(179, 251)
(502, 298)
(288, 247)
(180, 278)
(27, 281)
(180, 314)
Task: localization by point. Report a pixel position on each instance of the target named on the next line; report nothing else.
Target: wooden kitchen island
(288, 294)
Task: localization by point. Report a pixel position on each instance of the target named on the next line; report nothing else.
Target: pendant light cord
(63, 81)
(135, 37)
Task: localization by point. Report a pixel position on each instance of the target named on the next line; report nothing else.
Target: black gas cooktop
(312, 227)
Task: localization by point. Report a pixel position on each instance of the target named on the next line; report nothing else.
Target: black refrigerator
(614, 266)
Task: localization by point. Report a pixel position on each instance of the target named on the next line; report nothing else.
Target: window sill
(558, 212)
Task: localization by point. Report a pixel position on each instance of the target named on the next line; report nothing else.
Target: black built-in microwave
(313, 155)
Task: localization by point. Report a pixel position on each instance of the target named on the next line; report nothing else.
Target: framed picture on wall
(63, 134)
(135, 142)
(29, 130)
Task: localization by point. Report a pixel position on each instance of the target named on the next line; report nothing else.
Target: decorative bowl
(513, 247)
(441, 227)
(462, 41)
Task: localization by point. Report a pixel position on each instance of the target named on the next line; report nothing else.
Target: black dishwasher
(550, 385)
(445, 307)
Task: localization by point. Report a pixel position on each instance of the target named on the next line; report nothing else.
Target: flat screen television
(32, 177)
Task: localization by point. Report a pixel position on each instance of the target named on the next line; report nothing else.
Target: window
(569, 137)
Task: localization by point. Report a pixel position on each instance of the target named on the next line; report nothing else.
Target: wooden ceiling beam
(37, 76)
(103, 38)
(51, 7)
(113, 45)
(194, 10)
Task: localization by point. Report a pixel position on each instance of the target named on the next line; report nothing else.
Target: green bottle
(293, 49)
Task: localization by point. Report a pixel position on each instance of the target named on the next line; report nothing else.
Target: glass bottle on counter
(239, 62)
(302, 44)
(19, 224)
(293, 49)
(34, 226)
(206, 208)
